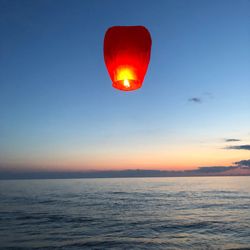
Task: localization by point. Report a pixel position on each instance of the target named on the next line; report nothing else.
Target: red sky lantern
(126, 55)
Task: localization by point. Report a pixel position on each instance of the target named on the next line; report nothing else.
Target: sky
(58, 110)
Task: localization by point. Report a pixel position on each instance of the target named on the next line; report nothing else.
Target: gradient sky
(58, 110)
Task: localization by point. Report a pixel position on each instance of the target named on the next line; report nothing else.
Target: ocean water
(135, 213)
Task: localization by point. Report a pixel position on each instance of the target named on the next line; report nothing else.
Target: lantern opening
(127, 84)
(125, 79)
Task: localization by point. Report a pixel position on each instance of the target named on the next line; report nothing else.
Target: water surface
(135, 213)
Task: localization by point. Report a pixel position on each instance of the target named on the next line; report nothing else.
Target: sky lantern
(127, 55)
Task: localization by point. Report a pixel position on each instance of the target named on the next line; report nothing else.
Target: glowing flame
(124, 73)
(125, 78)
(126, 83)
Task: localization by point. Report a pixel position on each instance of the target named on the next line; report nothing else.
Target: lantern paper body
(126, 55)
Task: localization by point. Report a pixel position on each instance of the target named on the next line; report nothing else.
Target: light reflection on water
(135, 213)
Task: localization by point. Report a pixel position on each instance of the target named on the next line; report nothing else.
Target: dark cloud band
(232, 140)
(243, 163)
(239, 147)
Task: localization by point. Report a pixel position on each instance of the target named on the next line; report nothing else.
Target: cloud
(240, 147)
(204, 97)
(195, 100)
(245, 163)
(232, 140)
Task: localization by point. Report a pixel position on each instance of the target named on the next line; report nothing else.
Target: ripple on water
(152, 213)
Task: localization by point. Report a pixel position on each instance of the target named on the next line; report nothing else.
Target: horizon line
(127, 173)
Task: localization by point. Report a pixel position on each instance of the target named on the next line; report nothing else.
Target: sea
(126, 213)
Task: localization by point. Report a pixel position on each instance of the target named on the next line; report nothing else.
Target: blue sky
(59, 110)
